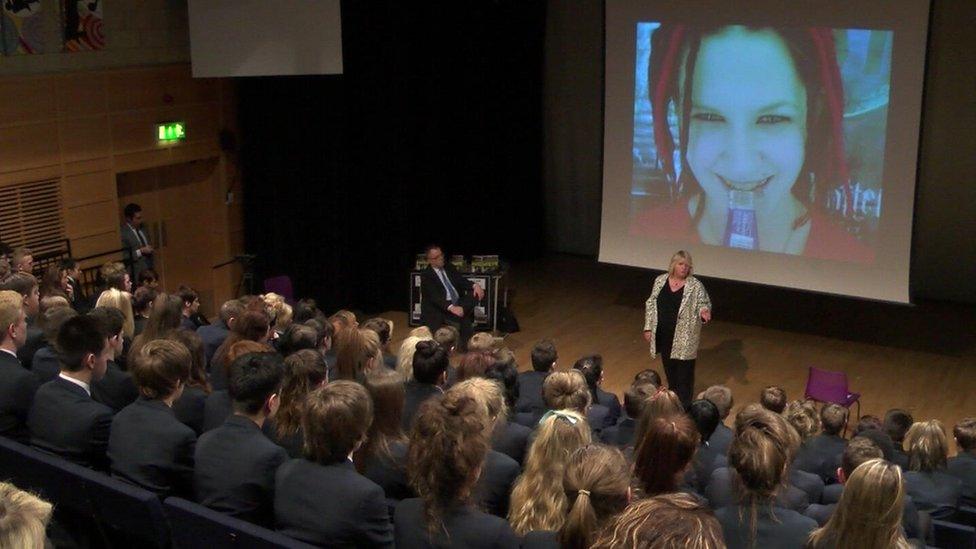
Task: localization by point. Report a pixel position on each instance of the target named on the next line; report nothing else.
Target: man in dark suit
(235, 464)
(64, 418)
(213, 335)
(138, 249)
(17, 385)
(820, 454)
(446, 296)
(115, 389)
(25, 284)
(77, 296)
(530, 406)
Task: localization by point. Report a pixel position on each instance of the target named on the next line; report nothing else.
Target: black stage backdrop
(432, 134)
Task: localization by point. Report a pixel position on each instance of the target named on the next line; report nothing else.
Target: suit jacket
(433, 295)
(131, 243)
(466, 527)
(116, 388)
(832, 493)
(17, 388)
(191, 407)
(66, 421)
(963, 467)
(494, 488)
(621, 435)
(216, 409)
(530, 392)
(788, 530)
(330, 505)
(810, 483)
(46, 365)
(390, 474)
(909, 518)
(512, 440)
(721, 439)
(35, 340)
(598, 416)
(721, 493)
(936, 492)
(820, 455)
(707, 459)
(149, 447)
(79, 301)
(293, 444)
(234, 473)
(541, 539)
(416, 394)
(611, 401)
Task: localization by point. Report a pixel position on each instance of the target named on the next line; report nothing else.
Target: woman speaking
(673, 318)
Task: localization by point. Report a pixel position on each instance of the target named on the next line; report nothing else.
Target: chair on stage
(199, 526)
(280, 285)
(829, 386)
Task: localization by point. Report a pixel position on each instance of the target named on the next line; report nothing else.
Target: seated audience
(149, 279)
(384, 329)
(538, 501)
(281, 312)
(165, 316)
(509, 438)
(481, 342)
(721, 397)
(449, 443)
(405, 355)
(213, 335)
(305, 371)
(663, 403)
(928, 483)
(296, 338)
(46, 365)
(705, 416)
(218, 406)
(254, 324)
(148, 446)
(820, 454)
(760, 455)
(307, 309)
(474, 364)
(430, 363)
(664, 453)
(773, 398)
(869, 513)
(870, 427)
(24, 518)
(447, 336)
(530, 401)
(358, 353)
(22, 260)
(803, 417)
(78, 299)
(122, 302)
(896, 424)
(663, 522)
(568, 391)
(597, 483)
(25, 285)
(592, 369)
(115, 389)
(64, 419)
(142, 301)
(191, 318)
(963, 465)
(621, 435)
(235, 464)
(191, 407)
(383, 457)
(54, 283)
(320, 498)
(114, 275)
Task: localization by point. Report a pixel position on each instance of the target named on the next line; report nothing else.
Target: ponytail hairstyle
(358, 351)
(448, 444)
(665, 521)
(566, 391)
(591, 367)
(597, 486)
(663, 402)
(662, 456)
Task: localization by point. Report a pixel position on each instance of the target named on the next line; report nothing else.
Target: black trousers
(680, 374)
(465, 323)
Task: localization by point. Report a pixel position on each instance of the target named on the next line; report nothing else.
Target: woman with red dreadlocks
(760, 138)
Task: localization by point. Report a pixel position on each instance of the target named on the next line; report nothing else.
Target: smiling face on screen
(747, 124)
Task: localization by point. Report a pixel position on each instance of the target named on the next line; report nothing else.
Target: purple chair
(829, 386)
(280, 285)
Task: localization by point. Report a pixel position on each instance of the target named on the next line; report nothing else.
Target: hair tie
(583, 492)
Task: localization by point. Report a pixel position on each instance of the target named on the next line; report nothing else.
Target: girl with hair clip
(538, 501)
(761, 139)
(760, 456)
(664, 454)
(663, 403)
(869, 513)
(448, 445)
(592, 369)
(305, 371)
(597, 483)
(383, 457)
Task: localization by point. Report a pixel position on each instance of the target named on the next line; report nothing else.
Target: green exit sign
(171, 131)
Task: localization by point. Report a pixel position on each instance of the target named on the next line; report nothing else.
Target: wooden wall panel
(85, 138)
(88, 188)
(133, 89)
(27, 99)
(29, 146)
(81, 94)
(91, 219)
(95, 244)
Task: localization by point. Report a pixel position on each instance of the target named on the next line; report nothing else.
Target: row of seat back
(126, 515)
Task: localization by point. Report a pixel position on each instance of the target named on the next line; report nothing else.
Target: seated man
(446, 296)
(213, 335)
(820, 454)
(530, 406)
(17, 385)
(963, 465)
(25, 284)
(236, 463)
(115, 389)
(46, 365)
(773, 398)
(621, 435)
(65, 419)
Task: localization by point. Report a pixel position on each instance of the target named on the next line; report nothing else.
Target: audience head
(382, 327)
(662, 403)
(448, 444)
(927, 446)
(23, 518)
(665, 452)
(358, 352)
(430, 363)
(198, 357)
(51, 302)
(148, 279)
(82, 347)
(22, 260)
(648, 375)
(304, 371)
(773, 398)
(447, 336)
(12, 319)
(405, 355)
(504, 372)
(544, 356)
(721, 397)
(591, 367)
(868, 423)
(230, 311)
(120, 301)
(597, 487)
(53, 319)
(481, 342)
(566, 391)
(142, 300)
(636, 396)
(254, 382)
(115, 275)
(761, 451)
(667, 521)
(965, 434)
(166, 315)
(833, 419)
(26, 286)
(487, 393)
(857, 451)
(191, 300)
(538, 501)
(53, 282)
(245, 346)
(421, 332)
(896, 424)
(343, 320)
(802, 415)
(869, 512)
(335, 421)
(385, 388)
(474, 364)
(161, 369)
(705, 415)
(296, 338)
(111, 322)
(306, 309)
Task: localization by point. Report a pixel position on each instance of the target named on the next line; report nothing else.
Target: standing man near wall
(138, 250)
(446, 296)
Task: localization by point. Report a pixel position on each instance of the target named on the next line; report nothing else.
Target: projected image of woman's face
(747, 124)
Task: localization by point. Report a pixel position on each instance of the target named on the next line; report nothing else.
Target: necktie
(451, 292)
(142, 239)
(740, 230)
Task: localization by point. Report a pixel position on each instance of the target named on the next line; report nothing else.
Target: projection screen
(775, 141)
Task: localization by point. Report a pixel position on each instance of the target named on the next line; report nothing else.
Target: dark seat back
(53, 478)
(131, 515)
(953, 536)
(197, 526)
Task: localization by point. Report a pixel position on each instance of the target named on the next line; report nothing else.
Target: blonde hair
(803, 417)
(678, 256)
(358, 351)
(597, 483)
(869, 513)
(538, 501)
(422, 332)
(282, 311)
(927, 446)
(11, 305)
(667, 521)
(481, 341)
(488, 393)
(120, 300)
(23, 518)
(405, 355)
(566, 391)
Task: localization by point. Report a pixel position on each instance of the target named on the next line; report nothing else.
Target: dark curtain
(432, 134)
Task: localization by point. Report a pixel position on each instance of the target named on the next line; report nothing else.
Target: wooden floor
(577, 302)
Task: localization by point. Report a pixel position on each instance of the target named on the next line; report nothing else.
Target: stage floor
(590, 308)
